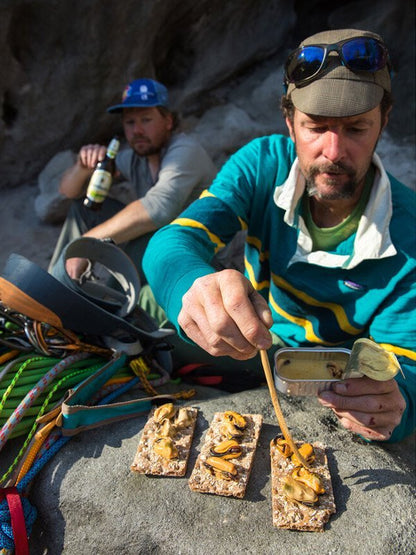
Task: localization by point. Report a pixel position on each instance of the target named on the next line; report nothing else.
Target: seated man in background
(166, 170)
(330, 248)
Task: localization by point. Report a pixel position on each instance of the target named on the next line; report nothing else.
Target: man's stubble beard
(148, 150)
(344, 191)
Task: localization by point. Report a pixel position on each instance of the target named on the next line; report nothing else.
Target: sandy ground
(21, 230)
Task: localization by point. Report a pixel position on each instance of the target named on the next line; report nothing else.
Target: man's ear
(289, 124)
(169, 119)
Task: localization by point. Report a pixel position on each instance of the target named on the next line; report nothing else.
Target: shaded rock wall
(65, 61)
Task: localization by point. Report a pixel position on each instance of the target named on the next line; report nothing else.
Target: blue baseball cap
(142, 93)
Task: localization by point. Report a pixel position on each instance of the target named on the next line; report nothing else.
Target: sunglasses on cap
(357, 54)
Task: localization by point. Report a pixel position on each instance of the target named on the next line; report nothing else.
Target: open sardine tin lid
(304, 371)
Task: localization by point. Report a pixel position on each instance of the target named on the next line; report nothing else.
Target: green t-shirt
(327, 238)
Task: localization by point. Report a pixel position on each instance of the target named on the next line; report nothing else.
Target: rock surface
(50, 205)
(64, 63)
(90, 502)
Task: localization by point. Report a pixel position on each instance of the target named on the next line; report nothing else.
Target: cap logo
(143, 92)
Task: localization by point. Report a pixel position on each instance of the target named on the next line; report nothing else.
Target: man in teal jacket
(330, 248)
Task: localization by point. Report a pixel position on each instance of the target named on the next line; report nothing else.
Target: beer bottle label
(113, 148)
(99, 185)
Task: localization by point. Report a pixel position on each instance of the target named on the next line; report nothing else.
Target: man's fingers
(369, 420)
(224, 315)
(363, 386)
(91, 154)
(203, 335)
(374, 434)
(362, 403)
(241, 325)
(370, 408)
(262, 308)
(205, 321)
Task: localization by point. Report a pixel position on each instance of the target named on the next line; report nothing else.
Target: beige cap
(338, 91)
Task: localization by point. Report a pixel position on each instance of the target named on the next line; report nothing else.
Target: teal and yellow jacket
(364, 288)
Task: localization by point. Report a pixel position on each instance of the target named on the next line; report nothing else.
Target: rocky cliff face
(64, 62)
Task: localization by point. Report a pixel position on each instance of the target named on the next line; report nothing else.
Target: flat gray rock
(90, 502)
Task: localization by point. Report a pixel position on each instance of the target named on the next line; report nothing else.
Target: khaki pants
(80, 219)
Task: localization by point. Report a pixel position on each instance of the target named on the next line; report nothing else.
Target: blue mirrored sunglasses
(358, 54)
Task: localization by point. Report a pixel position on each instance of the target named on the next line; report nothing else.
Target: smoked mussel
(299, 492)
(307, 452)
(236, 419)
(164, 411)
(221, 468)
(227, 449)
(165, 447)
(283, 446)
(166, 428)
(233, 425)
(183, 418)
(230, 431)
(335, 370)
(311, 479)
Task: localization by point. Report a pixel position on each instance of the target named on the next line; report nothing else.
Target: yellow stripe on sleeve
(399, 351)
(188, 222)
(336, 309)
(258, 286)
(310, 335)
(243, 224)
(206, 193)
(256, 243)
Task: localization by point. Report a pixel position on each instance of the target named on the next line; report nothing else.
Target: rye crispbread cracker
(146, 461)
(203, 481)
(297, 516)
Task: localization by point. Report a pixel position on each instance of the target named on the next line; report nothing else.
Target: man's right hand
(74, 180)
(224, 315)
(90, 155)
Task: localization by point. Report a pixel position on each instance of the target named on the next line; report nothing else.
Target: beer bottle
(102, 177)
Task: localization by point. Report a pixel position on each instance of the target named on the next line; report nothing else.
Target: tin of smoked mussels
(303, 371)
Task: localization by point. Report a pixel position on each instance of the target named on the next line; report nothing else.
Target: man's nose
(333, 148)
(138, 128)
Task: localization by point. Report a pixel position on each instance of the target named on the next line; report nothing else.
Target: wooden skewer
(277, 409)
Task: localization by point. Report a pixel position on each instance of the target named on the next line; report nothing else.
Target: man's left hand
(366, 407)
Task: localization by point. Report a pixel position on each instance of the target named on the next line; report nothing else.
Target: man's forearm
(73, 181)
(131, 222)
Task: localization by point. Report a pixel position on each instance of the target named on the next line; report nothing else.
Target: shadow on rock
(341, 491)
(260, 473)
(381, 478)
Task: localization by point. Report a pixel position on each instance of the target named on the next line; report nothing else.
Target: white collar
(372, 240)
